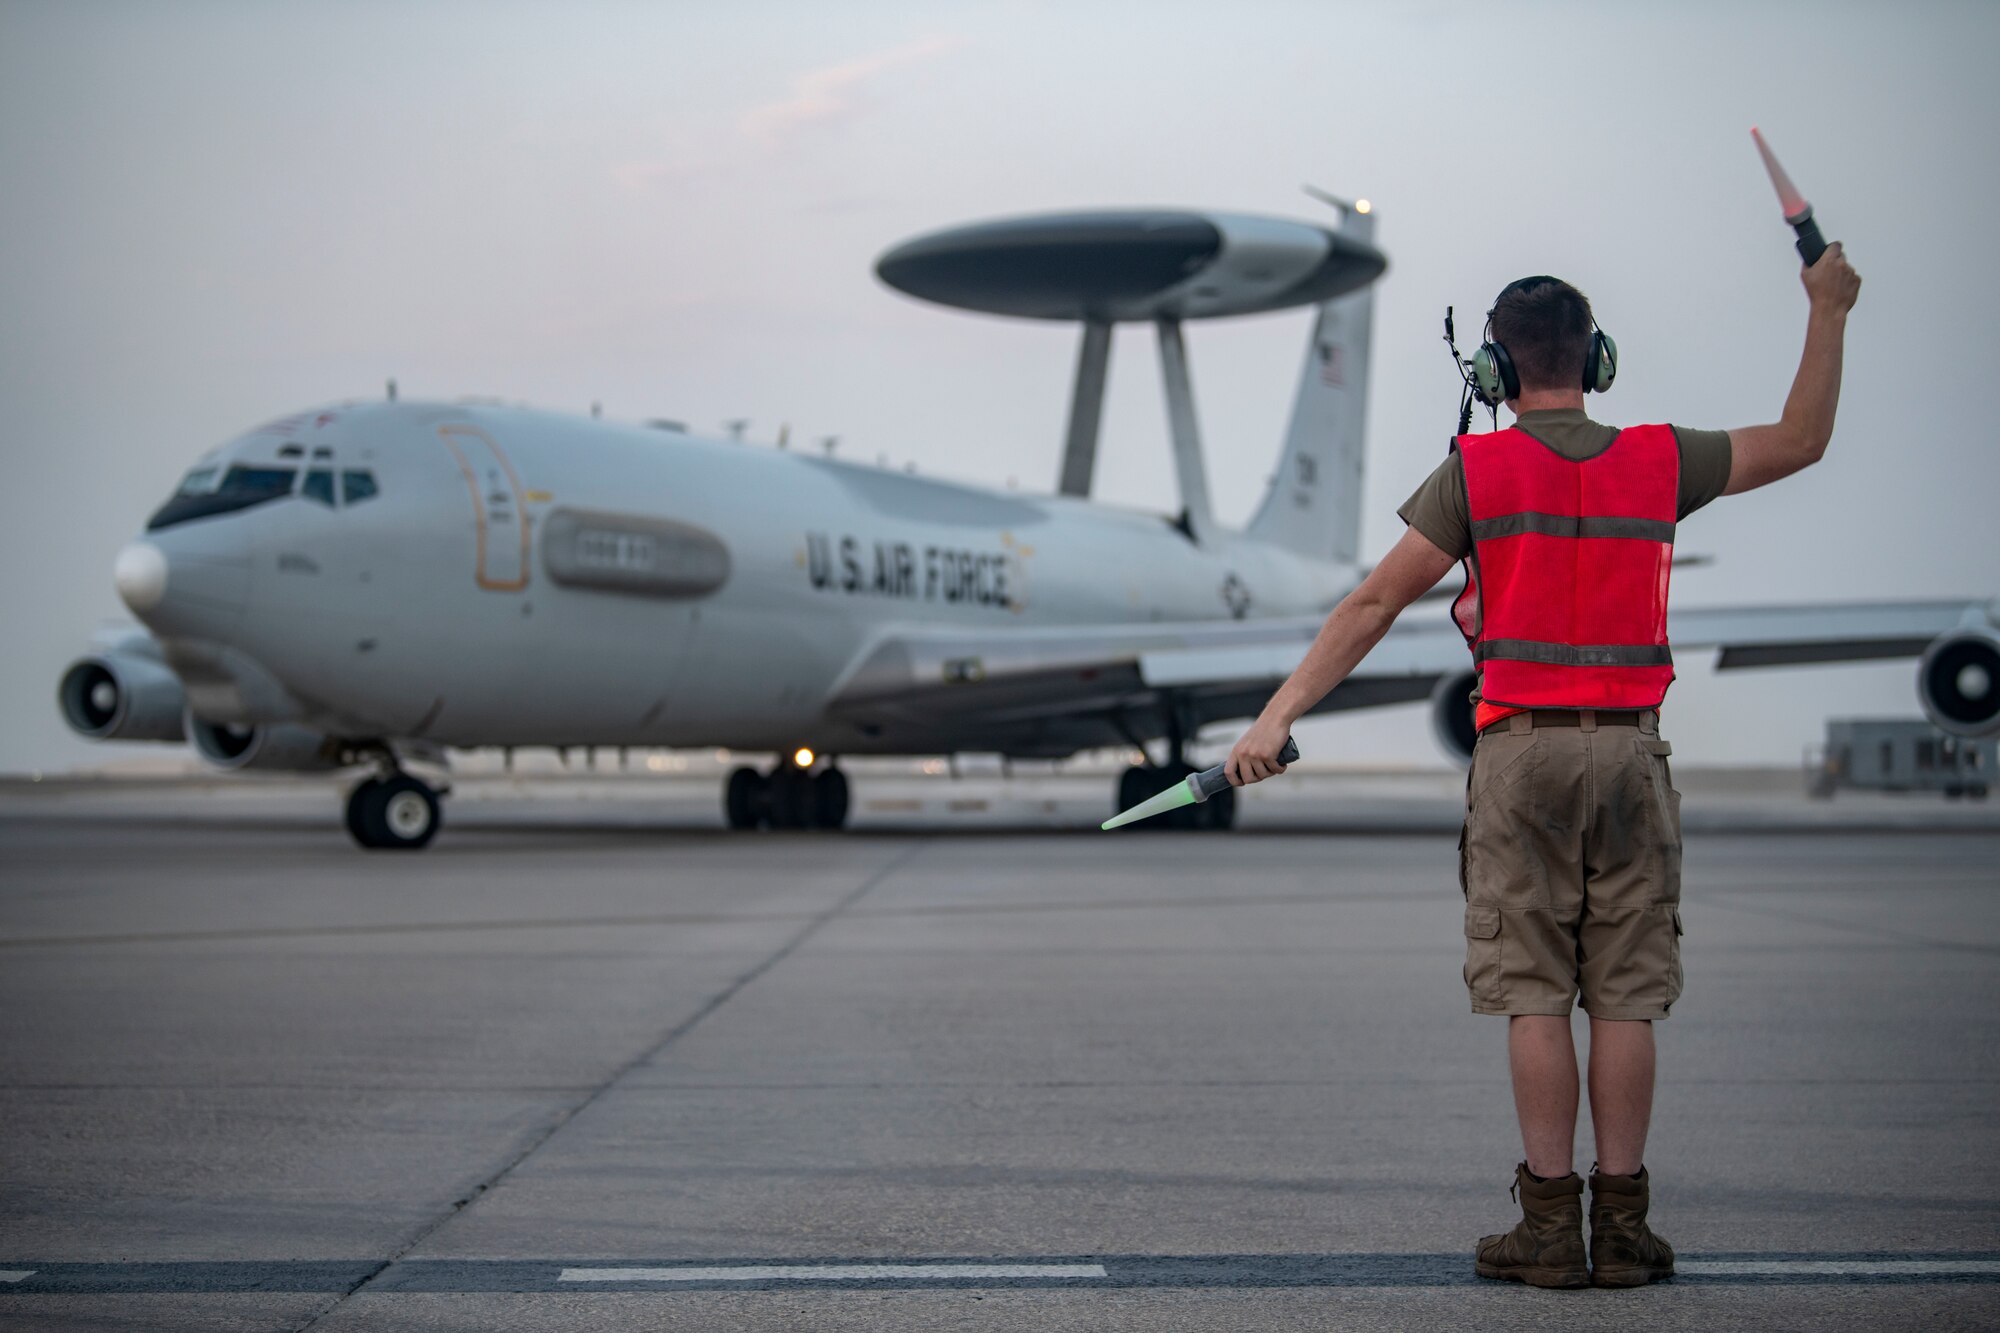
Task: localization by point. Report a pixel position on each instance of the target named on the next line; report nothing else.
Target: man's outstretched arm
(1760, 455)
(1356, 625)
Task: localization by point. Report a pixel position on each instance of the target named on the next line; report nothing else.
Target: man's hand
(1256, 755)
(1832, 283)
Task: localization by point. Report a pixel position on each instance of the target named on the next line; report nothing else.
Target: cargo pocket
(1664, 771)
(1482, 954)
(1664, 816)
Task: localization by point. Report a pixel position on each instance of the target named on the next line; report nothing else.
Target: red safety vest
(1565, 601)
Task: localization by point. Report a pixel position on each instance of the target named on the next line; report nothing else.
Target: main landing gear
(393, 811)
(790, 796)
(1141, 781)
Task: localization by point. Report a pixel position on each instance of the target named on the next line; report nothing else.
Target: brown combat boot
(1624, 1251)
(1546, 1248)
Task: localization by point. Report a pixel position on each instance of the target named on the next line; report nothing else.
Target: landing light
(1361, 205)
(802, 757)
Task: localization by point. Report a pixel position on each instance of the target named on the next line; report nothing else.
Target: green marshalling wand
(1199, 787)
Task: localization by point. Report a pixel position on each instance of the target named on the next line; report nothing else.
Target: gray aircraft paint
(416, 612)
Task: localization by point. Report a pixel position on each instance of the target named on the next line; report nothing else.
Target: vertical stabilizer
(1314, 503)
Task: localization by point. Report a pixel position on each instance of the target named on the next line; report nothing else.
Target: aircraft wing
(1756, 636)
(1037, 690)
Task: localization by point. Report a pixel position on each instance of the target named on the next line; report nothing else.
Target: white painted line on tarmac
(15, 1274)
(833, 1272)
(1835, 1267)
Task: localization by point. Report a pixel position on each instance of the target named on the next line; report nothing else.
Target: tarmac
(592, 1061)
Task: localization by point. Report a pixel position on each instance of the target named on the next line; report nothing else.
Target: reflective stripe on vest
(1565, 603)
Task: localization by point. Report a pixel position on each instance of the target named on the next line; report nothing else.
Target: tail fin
(1313, 505)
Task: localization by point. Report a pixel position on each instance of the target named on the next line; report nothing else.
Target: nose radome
(140, 573)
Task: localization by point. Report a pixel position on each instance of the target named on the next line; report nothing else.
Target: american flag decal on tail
(1331, 370)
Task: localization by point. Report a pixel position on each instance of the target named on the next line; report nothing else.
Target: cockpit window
(241, 488)
(319, 486)
(200, 481)
(357, 486)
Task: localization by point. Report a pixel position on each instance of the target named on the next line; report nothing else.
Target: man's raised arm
(1760, 455)
(1409, 571)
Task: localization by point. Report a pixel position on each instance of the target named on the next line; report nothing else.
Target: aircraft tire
(829, 799)
(746, 798)
(401, 815)
(358, 815)
(791, 799)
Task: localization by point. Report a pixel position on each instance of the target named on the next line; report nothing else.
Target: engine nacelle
(119, 697)
(1958, 682)
(1451, 716)
(272, 747)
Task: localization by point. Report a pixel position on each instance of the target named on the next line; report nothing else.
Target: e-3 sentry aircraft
(358, 586)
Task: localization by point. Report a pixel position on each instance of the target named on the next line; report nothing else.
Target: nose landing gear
(393, 812)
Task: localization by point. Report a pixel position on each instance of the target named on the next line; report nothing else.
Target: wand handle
(1811, 244)
(1212, 780)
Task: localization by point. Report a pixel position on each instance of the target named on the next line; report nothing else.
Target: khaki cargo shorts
(1571, 863)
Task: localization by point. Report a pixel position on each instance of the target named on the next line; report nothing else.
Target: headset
(1492, 376)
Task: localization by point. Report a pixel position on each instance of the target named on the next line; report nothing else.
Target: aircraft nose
(187, 584)
(140, 573)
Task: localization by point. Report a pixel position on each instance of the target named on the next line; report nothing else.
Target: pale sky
(214, 214)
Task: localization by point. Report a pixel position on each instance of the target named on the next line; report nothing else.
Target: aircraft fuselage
(511, 577)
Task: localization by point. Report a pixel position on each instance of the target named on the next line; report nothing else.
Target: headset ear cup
(1486, 375)
(1600, 368)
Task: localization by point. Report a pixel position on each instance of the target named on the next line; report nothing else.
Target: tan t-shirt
(1438, 509)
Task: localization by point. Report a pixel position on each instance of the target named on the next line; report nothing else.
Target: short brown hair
(1544, 323)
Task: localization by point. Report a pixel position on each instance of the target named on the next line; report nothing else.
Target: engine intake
(272, 747)
(1958, 683)
(118, 697)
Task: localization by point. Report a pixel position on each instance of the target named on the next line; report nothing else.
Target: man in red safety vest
(1571, 854)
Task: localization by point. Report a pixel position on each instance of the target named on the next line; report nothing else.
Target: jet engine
(1958, 682)
(273, 747)
(119, 697)
(1451, 715)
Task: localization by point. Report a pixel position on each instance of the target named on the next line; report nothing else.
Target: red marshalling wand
(1797, 211)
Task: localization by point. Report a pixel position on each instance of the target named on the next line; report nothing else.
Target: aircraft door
(500, 517)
